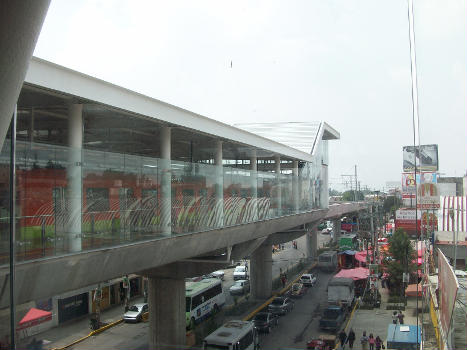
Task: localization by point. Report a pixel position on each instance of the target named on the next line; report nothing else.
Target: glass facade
(110, 191)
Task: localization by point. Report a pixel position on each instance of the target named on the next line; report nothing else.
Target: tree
(399, 259)
(350, 196)
(391, 204)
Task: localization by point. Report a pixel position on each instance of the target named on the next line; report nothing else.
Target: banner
(405, 219)
(448, 286)
(426, 157)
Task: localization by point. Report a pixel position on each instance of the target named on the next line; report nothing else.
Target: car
(216, 274)
(240, 287)
(297, 290)
(264, 321)
(308, 279)
(135, 312)
(280, 306)
(240, 273)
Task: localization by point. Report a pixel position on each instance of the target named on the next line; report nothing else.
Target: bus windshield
(188, 304)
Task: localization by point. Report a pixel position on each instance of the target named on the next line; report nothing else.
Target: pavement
(376, 321)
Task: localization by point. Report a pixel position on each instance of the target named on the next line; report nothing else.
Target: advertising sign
(448, 286)
(425, 155)
(427, 196)
(405, 219)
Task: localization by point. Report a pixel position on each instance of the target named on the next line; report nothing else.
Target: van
(240, 273)
(327, 261)
(233, 335)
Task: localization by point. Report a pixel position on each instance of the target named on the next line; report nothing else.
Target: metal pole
(455, 242)
(355, 183)
(12, 230)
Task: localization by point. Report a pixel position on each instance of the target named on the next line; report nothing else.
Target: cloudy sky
(344, 62)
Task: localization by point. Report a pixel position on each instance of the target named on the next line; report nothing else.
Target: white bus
(234, 335)
(202, 299)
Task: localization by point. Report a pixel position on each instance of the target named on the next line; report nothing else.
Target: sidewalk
(73, 330)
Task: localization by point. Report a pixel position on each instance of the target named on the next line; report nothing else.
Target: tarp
(348, 252)
(359, 273)
(34, 317)
(404, 340)
(411, 290)
(361, 256)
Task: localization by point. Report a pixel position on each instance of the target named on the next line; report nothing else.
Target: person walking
(400, 316)
(351, 338)
(371, 341)
(394, 317)
(342, 338)
(378, 343)
(364, 341)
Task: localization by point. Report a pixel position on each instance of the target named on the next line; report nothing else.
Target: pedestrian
(283, 280)
(364, 341)
(394, 317)
(342, 338)
(400, 316)
(351, 338)
(378, 342)
(371, 341)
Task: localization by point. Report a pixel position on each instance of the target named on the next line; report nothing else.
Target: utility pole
(356, 182)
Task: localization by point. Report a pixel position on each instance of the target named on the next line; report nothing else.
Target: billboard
(448, 286)
(425, 155)
(405, 219)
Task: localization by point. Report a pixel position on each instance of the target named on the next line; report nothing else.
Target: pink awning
(359, 273)
(361, 256)
(34, 317)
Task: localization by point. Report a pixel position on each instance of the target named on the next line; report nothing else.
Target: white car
(240, 273)
(218, 274)
(135, 312)
(308, 279)
(240, 287)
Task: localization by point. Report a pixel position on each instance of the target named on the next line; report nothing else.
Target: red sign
(346, 227)
(448, 286)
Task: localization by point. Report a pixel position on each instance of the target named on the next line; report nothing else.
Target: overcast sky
(344, 62)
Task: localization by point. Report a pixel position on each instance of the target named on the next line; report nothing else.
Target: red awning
(359, 273)
(361, 256)
(33, 318)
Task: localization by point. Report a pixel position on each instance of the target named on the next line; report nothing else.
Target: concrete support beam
(311, 247)
(336, 229)
(278, 185)
(261, 272)
(166, 181)
(296, 202)
(167, 318)
(219, 184)
(20, 25)
(254, 184)
(74, 188)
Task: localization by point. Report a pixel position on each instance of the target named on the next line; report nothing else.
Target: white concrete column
(166, 181)
(254, 185)
(261, 272)
(167, 317)
(279, 185)
(219, 185)
(74, 176)
(295, 194)
(324, 187)
(311, 247)
(336, 229)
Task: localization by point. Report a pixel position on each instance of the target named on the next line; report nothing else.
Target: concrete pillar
(279, 185)
(167, 318)
(166, 181)
(219, 184)
(311, 247)
(295, 194)
(324, 187)
(254, 185)
(74, 176)
(261, 272)
(336, 229)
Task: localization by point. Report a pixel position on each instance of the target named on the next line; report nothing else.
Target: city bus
(234, 335)
(327, 261)
(202, 299)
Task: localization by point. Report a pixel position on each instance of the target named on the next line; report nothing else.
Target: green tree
(391, 204)
(350, 196)
(399, 259)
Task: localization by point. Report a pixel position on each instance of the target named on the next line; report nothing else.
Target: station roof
(62, 80)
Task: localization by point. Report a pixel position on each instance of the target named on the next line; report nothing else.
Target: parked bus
(234, 335)
(202, 299)
(327, 261)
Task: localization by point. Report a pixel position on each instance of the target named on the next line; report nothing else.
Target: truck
(348, 242)
(327, 261)
(333, 317)
(341, 291)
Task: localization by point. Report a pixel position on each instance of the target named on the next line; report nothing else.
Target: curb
(282, 291)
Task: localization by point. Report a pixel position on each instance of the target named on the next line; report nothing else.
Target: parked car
(308, 279)
(332, 318)
(135, 312)
(280, 306)
(240, 287)
(216, 274)
(240, 273)
(297, 290)
(264, 321)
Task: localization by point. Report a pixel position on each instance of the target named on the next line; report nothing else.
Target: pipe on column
(295, 195)
(166, 181)
(254, 184)
(219, 185)
(74, 176)
(279, 185)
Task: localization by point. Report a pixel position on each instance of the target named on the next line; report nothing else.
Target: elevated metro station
(111, 182)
